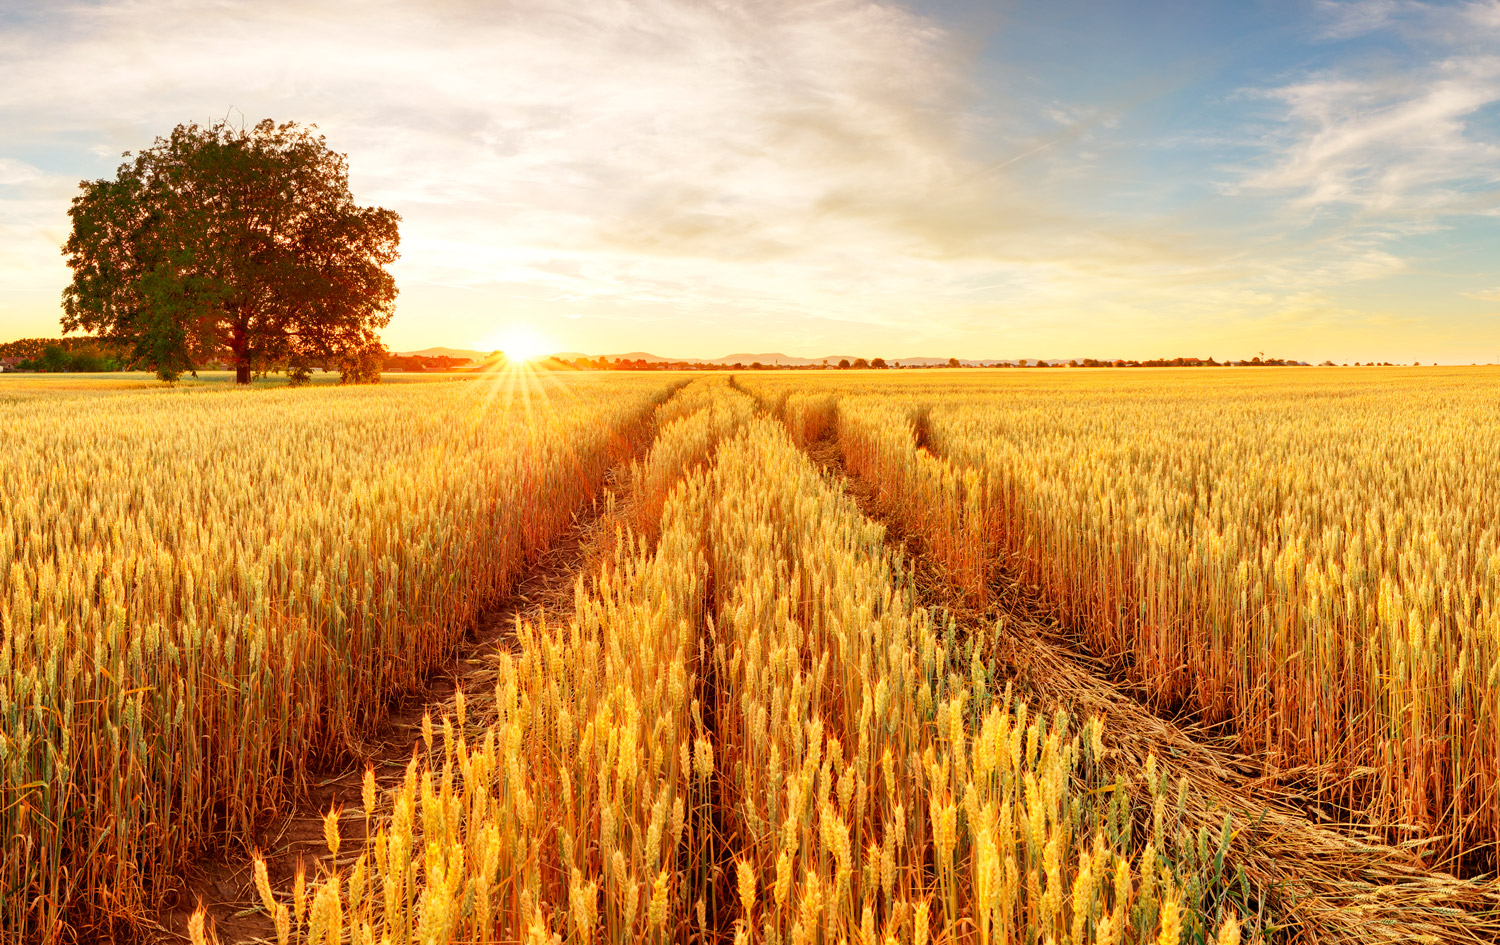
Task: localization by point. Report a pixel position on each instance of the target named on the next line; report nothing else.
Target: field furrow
(748, 660)
(226, 886)
(229, 597)
(1332, 884)
(753, 732)
(565, 789)
(883, 784)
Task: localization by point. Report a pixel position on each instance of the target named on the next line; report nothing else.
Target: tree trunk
(240, 344)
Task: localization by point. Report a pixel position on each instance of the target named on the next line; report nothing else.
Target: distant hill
(771, 357)
(445, 353)
(777, 357)
(646, 356)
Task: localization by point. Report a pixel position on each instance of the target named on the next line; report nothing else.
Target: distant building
(10, 364)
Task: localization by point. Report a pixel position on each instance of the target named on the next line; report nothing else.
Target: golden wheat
(1310, 558)
(202, 591)
(749, 730)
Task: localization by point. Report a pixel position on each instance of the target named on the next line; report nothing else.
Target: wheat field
(1311, 563)
(204, 591)
(783, 705)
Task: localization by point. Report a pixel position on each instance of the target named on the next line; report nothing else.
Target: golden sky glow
(839, 177)
(521, 343)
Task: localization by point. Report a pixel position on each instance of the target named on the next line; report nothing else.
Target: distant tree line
(91, 355)
(641, 364)
(422, 362)
(36, 347)
(53, 355)
(1187, 362)
(55, 359)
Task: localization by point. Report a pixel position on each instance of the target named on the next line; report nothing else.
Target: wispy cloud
(1394, 138)
(747, 159)
(1359, 162)
(626, 138)
(1346, 19)
(1394, 144)
(1423, 21)
(31, 227)
(682, 171)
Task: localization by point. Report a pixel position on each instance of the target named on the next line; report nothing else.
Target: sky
(1303, 178)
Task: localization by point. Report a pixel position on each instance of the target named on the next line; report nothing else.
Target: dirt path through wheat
(224, 884)
(1329, 884)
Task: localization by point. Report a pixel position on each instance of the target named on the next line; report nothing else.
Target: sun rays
(522, 343)
(516, 379)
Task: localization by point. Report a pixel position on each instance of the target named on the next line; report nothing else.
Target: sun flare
(523, 343)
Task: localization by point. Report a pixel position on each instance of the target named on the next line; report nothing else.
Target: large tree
(232, 242)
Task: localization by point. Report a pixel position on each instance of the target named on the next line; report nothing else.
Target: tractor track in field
(1331, 886)
(224, 882)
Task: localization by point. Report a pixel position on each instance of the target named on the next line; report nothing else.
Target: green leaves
(242, 244)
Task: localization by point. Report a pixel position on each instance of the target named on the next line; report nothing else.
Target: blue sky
(1070, 179)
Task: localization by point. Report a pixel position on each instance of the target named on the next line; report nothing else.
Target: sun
(517, 379)
(522, 343)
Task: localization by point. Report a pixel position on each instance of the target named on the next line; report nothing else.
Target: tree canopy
(234, 243)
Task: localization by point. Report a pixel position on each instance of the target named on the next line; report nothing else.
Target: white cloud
(1392, 135)
(1395, 143)
(15, 173)
(758, 159)
(1365, 154)
(1469, 23)
(1346, 19)
(814, 165)
(33, 206)
(600, 147)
